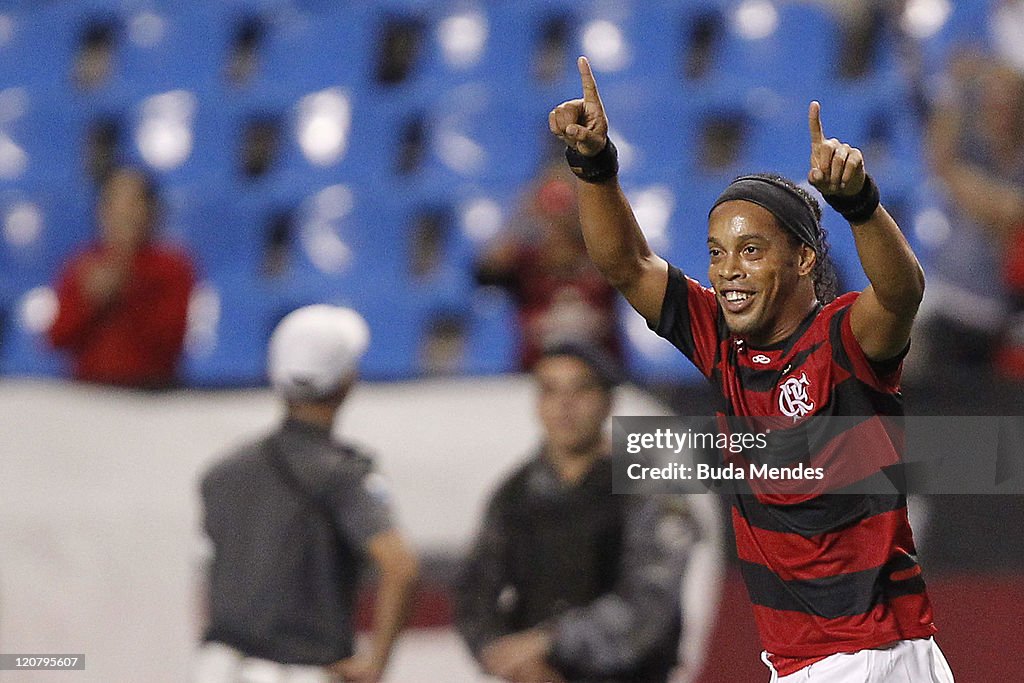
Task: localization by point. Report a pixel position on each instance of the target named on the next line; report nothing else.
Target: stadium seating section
(362, 151)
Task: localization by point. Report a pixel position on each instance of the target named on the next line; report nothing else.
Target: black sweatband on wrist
(596, 169)
(860, 207)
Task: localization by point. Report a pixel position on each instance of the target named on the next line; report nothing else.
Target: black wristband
(860, 207)
(596, 169)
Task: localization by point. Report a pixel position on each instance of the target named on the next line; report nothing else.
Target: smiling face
(761, 274)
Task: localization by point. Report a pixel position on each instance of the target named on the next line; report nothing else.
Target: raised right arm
(614, 240)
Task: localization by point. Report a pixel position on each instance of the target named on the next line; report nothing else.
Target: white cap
(314, 348)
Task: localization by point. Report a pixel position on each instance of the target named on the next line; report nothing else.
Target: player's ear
(808, 258)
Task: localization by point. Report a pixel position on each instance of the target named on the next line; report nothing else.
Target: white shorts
(908, 661)
(219, 663)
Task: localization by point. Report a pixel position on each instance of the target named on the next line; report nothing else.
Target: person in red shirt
(123, 300)
(560, 296)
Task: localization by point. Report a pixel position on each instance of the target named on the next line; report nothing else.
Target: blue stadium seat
(615, 36)
(648, 357)
(481, 110)
(198, 6)
(492, 335)
(40, 229)
(799, 54)
(178, 136)
(407, 304)
(396, 326)
(626, 42)
(728, 131)
(222, 232)
(169, 50)
(965, 27)
(465, 43)
(351, 234)
(40, 51)
(336, 134)
(928, 222)
(641, 42)
(669, 136)
(687, 233)
(305, 52)
(843, 251)
(24, 350)
(428, 67)
(518, 28)
(48, 137)
(337, 233)
(228, 348)
(673, 28)
(477, 134)
(885, 126)
(238, 313)
(656, 133)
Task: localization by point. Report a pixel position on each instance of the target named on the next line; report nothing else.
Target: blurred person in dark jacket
(542, 261)
(123, 301)
(566, 581)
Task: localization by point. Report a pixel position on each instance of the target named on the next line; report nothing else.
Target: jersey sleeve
(361, 502)
(881, 375)
(690, 320)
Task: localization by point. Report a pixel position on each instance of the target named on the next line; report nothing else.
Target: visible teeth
(736, 296)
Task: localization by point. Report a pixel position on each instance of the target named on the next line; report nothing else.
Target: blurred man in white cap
(291, 518)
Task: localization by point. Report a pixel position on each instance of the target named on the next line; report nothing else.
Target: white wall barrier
(99, 510)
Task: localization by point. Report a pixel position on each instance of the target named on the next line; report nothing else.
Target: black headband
(786, 205)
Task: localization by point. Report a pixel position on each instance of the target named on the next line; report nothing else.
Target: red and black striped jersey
(827, 572)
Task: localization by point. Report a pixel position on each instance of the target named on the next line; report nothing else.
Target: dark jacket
(601, 571)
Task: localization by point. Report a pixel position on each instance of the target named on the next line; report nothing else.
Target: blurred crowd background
(177, 175)
(393, 155)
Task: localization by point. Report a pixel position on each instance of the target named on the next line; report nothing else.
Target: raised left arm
(883, 314)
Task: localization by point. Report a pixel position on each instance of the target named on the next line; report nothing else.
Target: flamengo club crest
(793, 400)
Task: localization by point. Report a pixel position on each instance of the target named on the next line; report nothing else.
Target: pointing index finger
(589, 84)
(814, 123)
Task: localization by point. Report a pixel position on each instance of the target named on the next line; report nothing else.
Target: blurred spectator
(243, 58)
(290, 520)
(94, 61)
(101, 144)
(399, 52)
(444, 345)
(566, 581)
(260, 146)
(123, 301)
(975, 137)
(550, 53)
(862, 32)
(542, 261)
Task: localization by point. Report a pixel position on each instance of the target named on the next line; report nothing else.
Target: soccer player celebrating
(838, 595)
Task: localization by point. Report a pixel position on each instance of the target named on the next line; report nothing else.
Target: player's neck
(573, 464)
(321, 415)
(792, 319)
